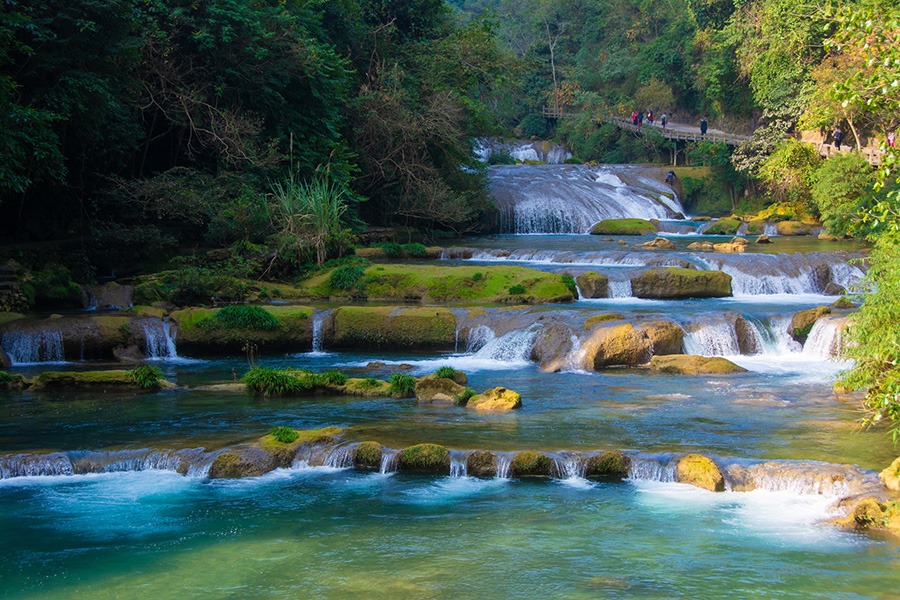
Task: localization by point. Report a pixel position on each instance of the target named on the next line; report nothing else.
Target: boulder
(827, 237)
(5, 362)
(368, 455)
(872, 514)
(530, 464)
(746, 336)
(802, 322)
(128, 354)
(674, 282)
(763, 239)
(729, 248)
(433, 389)
(834, 289)
(890, 477)
(616, 345)
(602, 318)
(665, 337)
(689, 364)
(498, 399)
(793, 228)
(660, 242)
(842, 303)
(593, 285)
(624, 227)
(700, 471)
(429, 458)
(199, 331)
(702, 246)
(481, 464)
(724, 226)
(389, 327)
(739, 240)
(610, 464)
(268, 454)
(112, 379)
(112, 295)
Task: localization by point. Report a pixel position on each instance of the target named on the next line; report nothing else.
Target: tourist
(650, 116)
(890, 139)
(837, 135)
(634, 117)
(641, 119)
(670, 178)
(662, 120)
(703, 127)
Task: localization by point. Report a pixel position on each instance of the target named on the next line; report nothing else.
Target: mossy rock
(756, 227)
(153, 312)
(802, 322)
(611, 465)
(498, 399)
(871, 514)
(368, 455)
(624, 227)
(481, 464)
(724, 226)
(602, 318)
(793, 228)
(890, 477)
(440, 390)
(530, 464)
(437, 284)
(376, 253)
(593, 285)
(113, 379)
(842, 303)
(619, 345)
(198, 330)
(363, 387)
(700, 471)
(12, 381)
(665, 337)
(675, 283)
(689, 364)
(387, 327)
(430, 458)
(268, 454)
(8, 317)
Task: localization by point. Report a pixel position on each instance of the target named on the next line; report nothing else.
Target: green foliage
(276, 382)
(517, 289)
(332, 378)
(242, 316)
(500, 157)
(478, 276)
(391, 249)
(401, 384)
(146, 377)
(570, 284)
(839, 188)
(463, 397)
(415, 250)
(789, 172)
(284, 434)
(445, 372)
(190, 286)
(535, 126)
(369, 383)
(52, 288)
(7, 379)
(345, 277)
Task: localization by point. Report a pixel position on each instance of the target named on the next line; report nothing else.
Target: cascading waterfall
(341, 457)
(571, 198)
(652, 468)
(569, 466)
(770, 229)
(513, 347)
(458, 466)
(389, 459)
(159, 340)
(25, 348)
(716, 339)
(318, 339)
(619, 289)
(824, 339)
(190, 461)
(504, 463)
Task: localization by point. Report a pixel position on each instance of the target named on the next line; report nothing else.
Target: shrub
(463, 397)
(283, 434)
(517, 289)
(145, 377)
(243, 317)
(569, 282)
(477, 276)
(534, 126)
(445, 372)
(500, 157)
(402, 384)
(415, 250)
(391, 249)
(276, 382)
(345, 277)
(572, 161)
(332, 378)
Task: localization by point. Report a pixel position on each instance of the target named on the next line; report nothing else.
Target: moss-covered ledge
(200, 330)
(268, 453)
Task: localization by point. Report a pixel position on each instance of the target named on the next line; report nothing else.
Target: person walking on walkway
(650, 116)
(703, 127)
(838, 136)
(641, 119)
(890, 139)
(662, 120)
(634, 117)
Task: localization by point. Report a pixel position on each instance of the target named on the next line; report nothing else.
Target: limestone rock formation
(429, 458)
(593, 285)
(673, 282)
(530, 464)
(700, 471)
(498, 399)
(437, 389)
(689, 364)
(890, 477)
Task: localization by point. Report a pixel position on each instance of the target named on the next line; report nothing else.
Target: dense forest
(138, 135)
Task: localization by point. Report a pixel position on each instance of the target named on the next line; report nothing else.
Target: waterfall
(652, 468)
(773, 336)
(458, 466)
(318, 341)
(190, 461)
(37, 347)
(770, 229)
(159, 340)
(341, 457)
(569, 467)
(824, 339)
(504, 462)
(571, 198)
(23, 465)
(716, 339)
(513, 347)
(389, 459)
(804, 478)
(620, 289)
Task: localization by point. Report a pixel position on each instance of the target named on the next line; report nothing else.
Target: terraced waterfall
(585, 491)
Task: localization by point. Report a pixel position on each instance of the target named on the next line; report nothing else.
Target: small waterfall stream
(389, 460)
(25, 348)
(159, 340)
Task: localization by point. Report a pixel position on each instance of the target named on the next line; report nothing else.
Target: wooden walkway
(678, 132)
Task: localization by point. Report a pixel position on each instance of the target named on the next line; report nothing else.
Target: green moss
(391, 327)
(242, 317)
(146, 377)
(7, 317)
(8, 380)
(530, 464)
(199, 330)
(624, 227)
(723, 227)
(425, 457)
(602, 318)
(614, 465)
(368, 454)
(842, 303)
(284, 435)
(304, 437)
(86, 379)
